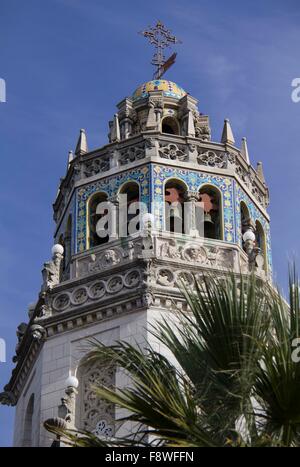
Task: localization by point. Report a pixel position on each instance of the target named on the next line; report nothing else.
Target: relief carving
(79, 296)
(165, 277)
(169, 249)
(105, 260)
(96, 166)
(132, 154)
(194, 253)
(173, 152)
(61, 302)
(96, 290)
(95, 414)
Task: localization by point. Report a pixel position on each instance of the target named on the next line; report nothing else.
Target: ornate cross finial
(161, 37)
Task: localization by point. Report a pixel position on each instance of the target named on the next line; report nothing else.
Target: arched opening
(261, 242)
(245, 217)
(68, 246)
(170, 125)
(210, 198)
(61, 242)
(129, 196)
(96, 238)
(174, 206)
(27, 432)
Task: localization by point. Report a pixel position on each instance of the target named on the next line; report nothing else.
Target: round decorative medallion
(61, 302)
(115, 284)
(132, 279)
(79, 296)
(97, 290)
(165, 277)
(185, 277)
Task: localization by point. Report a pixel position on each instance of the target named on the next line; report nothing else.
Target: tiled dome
(169, 89)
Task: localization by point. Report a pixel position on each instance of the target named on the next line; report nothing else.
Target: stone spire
(227, 135)
(244, 151)
(260, 172)
(82, 147)
(115, 130)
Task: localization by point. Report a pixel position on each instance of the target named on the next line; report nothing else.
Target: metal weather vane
(161, 38)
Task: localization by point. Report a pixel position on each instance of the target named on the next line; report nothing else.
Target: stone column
(115, 209)
(191, 200)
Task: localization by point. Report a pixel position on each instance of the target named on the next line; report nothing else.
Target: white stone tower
(159, 152)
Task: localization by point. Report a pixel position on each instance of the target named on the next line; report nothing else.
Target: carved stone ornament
(184, 277)
(91, 409)
(105, 260)
(51, 272)
(202, 129)
(61, 302)
(169, 249)
(103, 430)
(148, 299)
(38, 332)
(132, 154)
(171, 151)
(165, 277)
(132, 279)
(194, 253)
(213, 159)
(97, 289)
(96, 166)
(7, 398)
(114, 284)
(79, 296)
(21, 329)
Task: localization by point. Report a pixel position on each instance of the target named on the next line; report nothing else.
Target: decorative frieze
(132, 154)
(173, 152)
(214, 158)
(97, 290)
(96, 165)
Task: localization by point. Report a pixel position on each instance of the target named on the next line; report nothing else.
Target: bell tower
(179, 205)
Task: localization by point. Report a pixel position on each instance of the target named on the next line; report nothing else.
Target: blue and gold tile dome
(169, 89)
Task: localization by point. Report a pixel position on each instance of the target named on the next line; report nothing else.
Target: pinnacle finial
(260, 172)
(244, 150)
(115, 130)
(81, 147)
(161, 38)
(227, 134)
(70, 157)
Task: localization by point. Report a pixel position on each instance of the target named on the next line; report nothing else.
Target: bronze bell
(207, 218)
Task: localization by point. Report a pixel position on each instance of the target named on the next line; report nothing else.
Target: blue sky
(67, 63)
